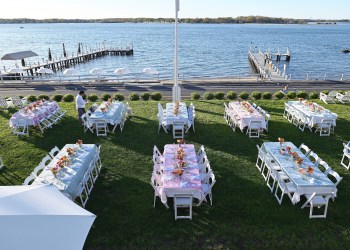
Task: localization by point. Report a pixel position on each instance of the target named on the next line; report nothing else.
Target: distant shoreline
(219, 20)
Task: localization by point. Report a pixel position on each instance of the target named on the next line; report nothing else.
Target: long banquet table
(33, 116)
(113, 113)
(305, 183)
(182, 116)
(313, 115)
(245, 116)
(189, 182)
(69, 179)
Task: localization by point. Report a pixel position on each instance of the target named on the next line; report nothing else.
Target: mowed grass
(244, 215)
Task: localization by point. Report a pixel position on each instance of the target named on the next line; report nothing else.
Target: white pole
(176, 88)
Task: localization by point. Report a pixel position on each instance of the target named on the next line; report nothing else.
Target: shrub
(92, 98)
(156, 96)
(21, 97)
(219, 95)
(208, 96)
(267, 95)
(231, 95)
(313, 95)
(325, 92)
(302, 94)
(341, 92)
(68, 98)
(119, 97)
(134, 97)
(145, 96)
(195, 96)
(105, 96)
(291, 95)
(46, 97)
(256, 95)
(31, 98)
(244, 95)
(279, 95)
(57, 98)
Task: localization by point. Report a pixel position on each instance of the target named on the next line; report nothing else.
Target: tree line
(219, 20)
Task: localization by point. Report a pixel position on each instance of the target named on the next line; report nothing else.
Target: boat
(345, 51)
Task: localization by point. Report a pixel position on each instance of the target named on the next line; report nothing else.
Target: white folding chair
(269, 164)
(161, 121)
(98, 158)
(178, 130)
(183, 201)
(101, 127)
(261, 158)
(304, 149)
(346, 154)
(324, 167)
(314, 158)
(88, 182)
(286, 112)
(1, 163)
(207, 186)
(83, 193)
(267, 119)
(200, 151)
(29, 179)
(275, 176)
(157, 187)
(87, 123)
(331, 173)
(205, 170)
(343, 98)
(191, 120)
(317, 200)
(254, 129)
(123, 119)
(54, 152)
(324, 127)
(21, 127)
(286, 188)
(37, 169)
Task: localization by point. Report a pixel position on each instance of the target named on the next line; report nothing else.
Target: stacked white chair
(346, 155)
(183, 201)
(343, 98)
(330, 98)
(3, 103)
(317, 200)
(254, 129)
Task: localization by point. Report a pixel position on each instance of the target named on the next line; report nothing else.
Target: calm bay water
(209, 50)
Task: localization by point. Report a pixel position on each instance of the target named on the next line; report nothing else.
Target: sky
(91, 9)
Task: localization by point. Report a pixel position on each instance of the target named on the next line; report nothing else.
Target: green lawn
(244, 214)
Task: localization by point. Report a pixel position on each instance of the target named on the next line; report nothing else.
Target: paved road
(187, 88)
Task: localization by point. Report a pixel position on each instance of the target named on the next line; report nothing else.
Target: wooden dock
(263, 64)
(67, 62)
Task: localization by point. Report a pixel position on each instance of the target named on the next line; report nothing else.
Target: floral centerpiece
(178, 171)
(176, 107)
(71, 151)
(181, 141)
(103, 109)
(239, 100)
(301, 99)
(299, 161)
(180, 154)
(310, 170)
(55, 170)
(319, 109)
(288, 149)
(251, 110)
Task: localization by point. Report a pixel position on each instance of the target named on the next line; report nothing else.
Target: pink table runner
(246, 117)
(189, 182)
(33, 117)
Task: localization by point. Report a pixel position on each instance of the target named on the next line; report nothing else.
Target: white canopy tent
(41, 217)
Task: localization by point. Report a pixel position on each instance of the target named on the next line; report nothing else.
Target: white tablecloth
(236, 108)
(189, 182)
(69, 179)
(306, 184)
(33, 117)
(314, 117)
(114, 113)
(182, 116)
